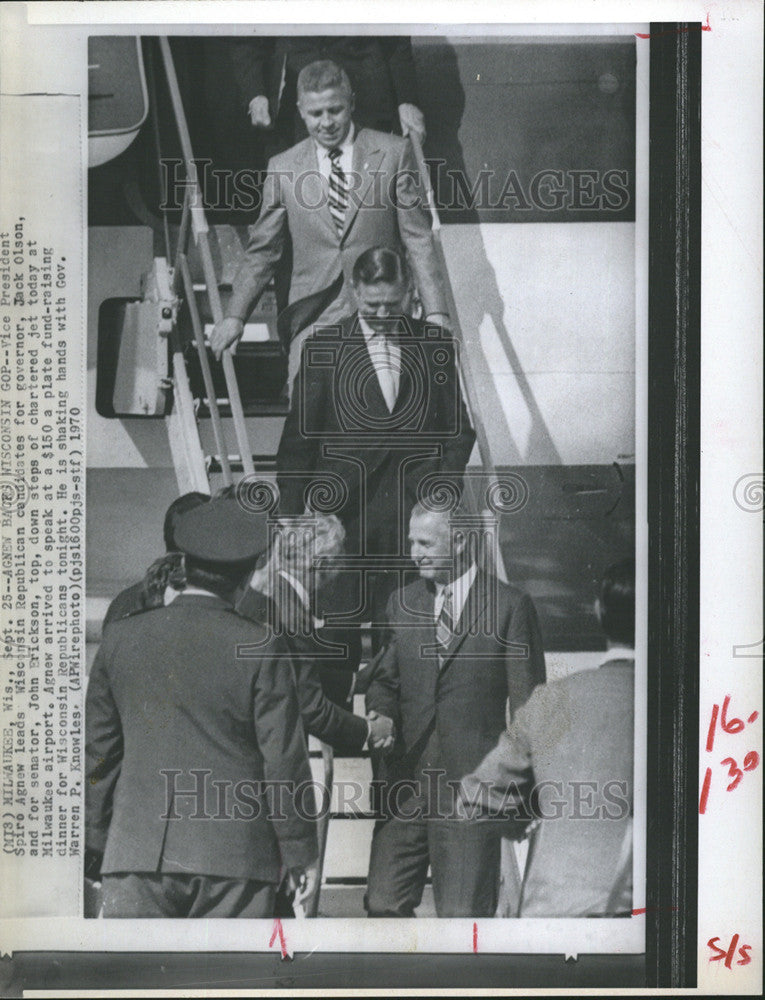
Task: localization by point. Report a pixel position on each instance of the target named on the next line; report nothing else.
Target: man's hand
(380, 731)
(412, 120)
(304, 882)
(439, 319)
(258, 112)
(227, 332)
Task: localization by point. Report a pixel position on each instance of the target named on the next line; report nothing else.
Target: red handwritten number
(712, 724)
(475, 939)
(705, 791)
(735, 725)
(751, 760)
(727, 955)
(734, 771)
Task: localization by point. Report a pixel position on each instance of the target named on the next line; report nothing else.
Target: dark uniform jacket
(169, 696)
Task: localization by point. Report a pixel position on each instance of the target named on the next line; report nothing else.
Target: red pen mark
(751, 761)
(475, 939)
(278, 929)
(727, 955)
(727, 725)
(705, 791)
(711, 731)
(645, 909)
(676, 31)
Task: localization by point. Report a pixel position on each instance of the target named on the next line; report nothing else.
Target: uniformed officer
(195, 754)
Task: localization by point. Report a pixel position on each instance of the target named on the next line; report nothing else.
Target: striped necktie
(445, 626)
(338, 190)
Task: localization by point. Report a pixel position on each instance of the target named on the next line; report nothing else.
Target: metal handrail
(204, 364)
(201, 236)
(467, 374)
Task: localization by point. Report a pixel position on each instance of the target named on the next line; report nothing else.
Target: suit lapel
(366, 161)
(314, 189)
(295, 617)
(477, 598)
(367, 375)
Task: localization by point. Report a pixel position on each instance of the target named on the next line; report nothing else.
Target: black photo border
(673, 652)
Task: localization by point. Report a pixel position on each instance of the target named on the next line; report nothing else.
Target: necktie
(386, 370)
(445, 626)
(338, 190)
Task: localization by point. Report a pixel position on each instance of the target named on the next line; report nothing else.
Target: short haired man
(194, 754)
(377, 408)
(462, 646)
(568, 759)
(334, 194)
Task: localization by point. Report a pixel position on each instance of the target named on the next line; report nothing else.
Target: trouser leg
(464, 860)
(398, 866)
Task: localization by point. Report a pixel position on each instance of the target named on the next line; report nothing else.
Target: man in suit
(191, 750)
(462, 646)
(381, 70)
(377, 408)
(568, 759)
(334, 194)
(284, 595)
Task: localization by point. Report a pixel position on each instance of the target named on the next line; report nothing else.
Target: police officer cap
(222, 531)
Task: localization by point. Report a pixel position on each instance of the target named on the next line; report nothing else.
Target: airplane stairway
(210, 444)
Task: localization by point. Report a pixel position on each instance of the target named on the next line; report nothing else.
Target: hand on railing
(258, 112)
(439, 319)
(226, 333)
(412, 121)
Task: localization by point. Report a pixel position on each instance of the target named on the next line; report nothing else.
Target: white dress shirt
(302, 593)
(386, 358)
(460, 589)
(345, 159)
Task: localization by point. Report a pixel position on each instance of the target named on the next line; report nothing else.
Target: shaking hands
(381, 735)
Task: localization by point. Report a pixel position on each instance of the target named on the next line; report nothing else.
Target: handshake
(381, 733)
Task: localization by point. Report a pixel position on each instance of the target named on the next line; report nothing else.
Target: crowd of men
(246, 636)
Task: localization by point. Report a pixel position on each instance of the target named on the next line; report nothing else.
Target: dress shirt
(302, 593)
(193, 591)
(386, 358)
(345, 159)
(460, 589)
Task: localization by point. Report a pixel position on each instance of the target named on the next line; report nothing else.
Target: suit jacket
(324, 677)
(496, 654)
(381, 71)
(339, 426)
(169, 695)
(386, 208)
(576, 735)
